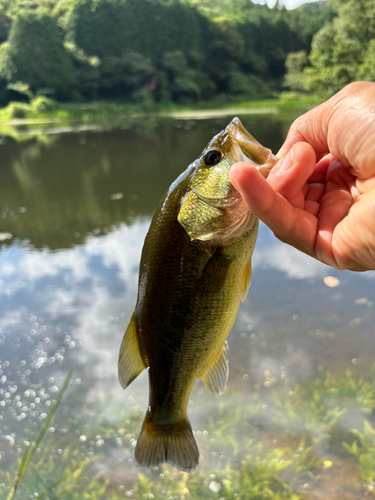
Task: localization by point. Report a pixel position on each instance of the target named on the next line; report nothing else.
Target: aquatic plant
(48, 462)
(29, 452)
(363, 449)
(251, 450)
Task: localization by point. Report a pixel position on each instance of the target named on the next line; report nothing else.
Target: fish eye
(212, 157)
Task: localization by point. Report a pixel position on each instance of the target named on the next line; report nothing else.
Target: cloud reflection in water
(91, 290)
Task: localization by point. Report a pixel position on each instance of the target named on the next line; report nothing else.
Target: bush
(295, 64)
(41, 104)
(14, 110)
(245, 86)
(35, 55)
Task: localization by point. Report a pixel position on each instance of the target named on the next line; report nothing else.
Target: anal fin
(216, 375)
(130, 361)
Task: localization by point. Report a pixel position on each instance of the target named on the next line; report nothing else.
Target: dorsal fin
(216, 375)
(130, 361)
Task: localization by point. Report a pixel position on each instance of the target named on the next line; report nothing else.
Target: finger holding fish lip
(290, 174)
(272, 200)
(288, 177)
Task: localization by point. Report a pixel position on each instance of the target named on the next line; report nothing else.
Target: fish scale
(195, 270)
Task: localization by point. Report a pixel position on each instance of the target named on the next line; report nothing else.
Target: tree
(127, 75)
(35, 55)
(295, 64)
(341, 47)
(366, 70)
(87, 73)
(185, 84)
(309, 18)
(112, 28)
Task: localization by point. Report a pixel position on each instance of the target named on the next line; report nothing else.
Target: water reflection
(68, 282)
(66, 184)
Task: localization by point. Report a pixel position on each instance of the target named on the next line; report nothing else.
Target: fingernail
(286, 162)
(281, 153)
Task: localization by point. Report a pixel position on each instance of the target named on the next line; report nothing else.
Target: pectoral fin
(216, 375)
(246, 281)
(130, 362)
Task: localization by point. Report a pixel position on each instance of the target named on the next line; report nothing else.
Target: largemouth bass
(195, 270)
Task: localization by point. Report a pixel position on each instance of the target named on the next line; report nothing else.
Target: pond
(297, 418)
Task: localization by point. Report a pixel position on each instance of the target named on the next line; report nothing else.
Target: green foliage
(14, 110)
(366, 70)
(155, 51)
(295, 64)
(246, 86)
(87, 73)
(5, 23)
(267, 43)
(342, 50)
(35, 54)
(183, 83)
(126, 75)
(41, 104)
(112, 28)
(309, 18)
(37, 105)
(97, 27)
(22, 88)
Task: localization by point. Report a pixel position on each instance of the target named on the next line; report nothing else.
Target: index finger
(343, 126)
(312, 127)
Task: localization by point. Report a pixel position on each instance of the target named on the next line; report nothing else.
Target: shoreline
(110, 113)
(193, 114)
(205, 114)
(74, 118)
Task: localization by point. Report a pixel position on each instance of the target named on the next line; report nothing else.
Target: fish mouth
(261, 157)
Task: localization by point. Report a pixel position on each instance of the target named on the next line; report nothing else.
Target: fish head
(212, 210)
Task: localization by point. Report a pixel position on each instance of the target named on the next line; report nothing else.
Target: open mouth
(261, 157)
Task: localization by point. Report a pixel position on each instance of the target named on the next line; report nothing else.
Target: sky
(289, 4)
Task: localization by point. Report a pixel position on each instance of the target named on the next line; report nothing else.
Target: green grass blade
(74, 475)
(18, 477)
(29, 453)
(46, 423)
(61, 494)
(54, 485)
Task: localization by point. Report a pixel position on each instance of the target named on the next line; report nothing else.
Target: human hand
(320, 196)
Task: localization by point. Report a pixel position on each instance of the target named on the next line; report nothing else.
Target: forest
(181, 51)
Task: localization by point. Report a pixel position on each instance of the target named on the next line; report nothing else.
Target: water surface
(74, 210)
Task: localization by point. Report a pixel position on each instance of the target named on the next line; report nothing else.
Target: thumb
(288, 223)
(255, 191)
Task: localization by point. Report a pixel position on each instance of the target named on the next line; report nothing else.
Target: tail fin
(172, 443)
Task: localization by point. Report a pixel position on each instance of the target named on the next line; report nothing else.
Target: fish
(195, 270)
